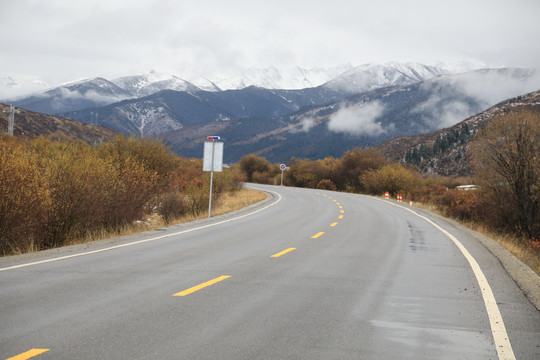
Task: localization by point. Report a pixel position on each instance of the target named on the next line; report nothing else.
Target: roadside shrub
(172, 205)
(356, 162)
(198, 198)
(392, 178)
(150, 153)
(460, 204)
(326, 184)
(251, 164)
(24, 198)
(80, 187)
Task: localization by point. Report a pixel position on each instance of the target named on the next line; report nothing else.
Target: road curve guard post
(212, 161)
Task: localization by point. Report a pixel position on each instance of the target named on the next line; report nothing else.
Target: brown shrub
(24, 198)
(172, 205)
(326, 184)
(460, 204)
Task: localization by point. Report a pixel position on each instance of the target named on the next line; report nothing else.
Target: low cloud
(90, 95)
(307, 124)
(439, 113)
(460, 96)
(358, 120)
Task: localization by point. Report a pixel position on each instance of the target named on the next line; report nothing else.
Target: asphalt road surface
(305, 275)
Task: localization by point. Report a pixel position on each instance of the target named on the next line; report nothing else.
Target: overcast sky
(64, 40)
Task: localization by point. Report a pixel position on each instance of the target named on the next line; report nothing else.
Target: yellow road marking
(341, 207)
(340, 217)
(334, 200)
(283, 252)
(329, 197)
(342, 211)
(333, 224)
(338, 204)
(203, 285)
(317, 235)
(28, 354)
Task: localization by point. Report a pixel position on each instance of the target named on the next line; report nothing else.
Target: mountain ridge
(444, 152)
(32, 124)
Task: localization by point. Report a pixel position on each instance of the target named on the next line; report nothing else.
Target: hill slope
(444, 152)
(32, 124)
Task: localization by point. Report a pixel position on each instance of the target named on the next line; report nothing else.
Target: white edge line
(500, 336)
(145, 240)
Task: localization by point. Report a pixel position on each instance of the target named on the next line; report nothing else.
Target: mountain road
(306, 274)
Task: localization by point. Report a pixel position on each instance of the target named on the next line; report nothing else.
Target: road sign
(282, 167)
(212, 161)
(213, 156)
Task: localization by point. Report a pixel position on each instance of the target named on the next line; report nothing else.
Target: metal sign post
(282, 167)
(212, 161)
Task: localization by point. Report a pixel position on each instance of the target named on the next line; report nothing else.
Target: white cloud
(358, 120)
(61, 40)
(307, 124)
(485, 87)
(491, 87)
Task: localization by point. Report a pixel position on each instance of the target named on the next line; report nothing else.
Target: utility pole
(11, 119)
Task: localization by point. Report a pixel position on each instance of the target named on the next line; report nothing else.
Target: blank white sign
(213, 149)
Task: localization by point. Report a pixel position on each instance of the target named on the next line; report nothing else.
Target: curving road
(305, 275)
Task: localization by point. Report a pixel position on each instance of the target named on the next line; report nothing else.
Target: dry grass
(237, 200)
(228, 202)
(511, 243)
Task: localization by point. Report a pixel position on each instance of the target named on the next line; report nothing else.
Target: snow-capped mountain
(14, 87)
(273, 78)
(75, 96)
(362, 119)
(375, 76)
(152, 82)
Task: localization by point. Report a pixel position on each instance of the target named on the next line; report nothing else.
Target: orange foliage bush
(460, 204)
(51, 192)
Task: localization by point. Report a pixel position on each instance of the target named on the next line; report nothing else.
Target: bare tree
(506, 162)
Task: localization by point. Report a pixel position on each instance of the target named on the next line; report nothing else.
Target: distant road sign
(282, 166)
(213, 138)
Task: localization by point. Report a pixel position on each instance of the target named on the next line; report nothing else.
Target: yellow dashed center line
(333, 224)
(28, 354)
(317, 235)
(283, 252)
(203, 285)
(340, 217)
(342, 211)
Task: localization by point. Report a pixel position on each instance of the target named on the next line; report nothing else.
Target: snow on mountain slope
(152, 82)
(373, 76)
(75, 96)
(274, 78)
